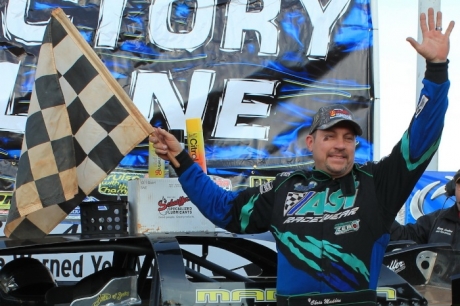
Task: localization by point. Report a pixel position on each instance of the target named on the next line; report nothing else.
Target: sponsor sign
(160, 205)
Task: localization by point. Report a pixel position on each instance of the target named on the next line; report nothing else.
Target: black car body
(173, 269)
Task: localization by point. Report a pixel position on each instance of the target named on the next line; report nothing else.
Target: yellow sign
(260, 295)
(116, 183)
(388, 292)
(237, 295)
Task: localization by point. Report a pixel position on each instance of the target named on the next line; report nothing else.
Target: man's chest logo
(317, 203)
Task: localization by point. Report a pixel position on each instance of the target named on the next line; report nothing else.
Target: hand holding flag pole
(166, 145)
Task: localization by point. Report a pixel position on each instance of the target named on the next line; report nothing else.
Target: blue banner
(428, 195)
(255, 72)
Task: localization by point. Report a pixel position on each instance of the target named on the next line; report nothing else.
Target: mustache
(340, 153)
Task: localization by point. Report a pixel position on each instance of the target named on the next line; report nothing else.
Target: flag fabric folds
(80, 125)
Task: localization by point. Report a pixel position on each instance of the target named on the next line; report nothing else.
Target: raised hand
(435, 45)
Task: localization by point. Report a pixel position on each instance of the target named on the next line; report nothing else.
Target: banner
(255, 72)
(428, 195)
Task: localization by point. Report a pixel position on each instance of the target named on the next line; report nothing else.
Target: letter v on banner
(80, 125)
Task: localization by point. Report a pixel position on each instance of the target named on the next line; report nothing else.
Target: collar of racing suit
(347, 182)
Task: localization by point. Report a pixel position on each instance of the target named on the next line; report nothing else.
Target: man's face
(333, 149)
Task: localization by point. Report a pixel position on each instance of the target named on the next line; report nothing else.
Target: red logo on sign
(164, 204)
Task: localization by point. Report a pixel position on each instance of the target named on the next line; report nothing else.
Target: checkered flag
(80, 125)
(293, 199)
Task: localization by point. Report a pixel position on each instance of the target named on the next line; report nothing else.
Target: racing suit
(331, 234)
(439, 226)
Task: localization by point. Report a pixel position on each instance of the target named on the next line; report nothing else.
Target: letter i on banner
(195, 142)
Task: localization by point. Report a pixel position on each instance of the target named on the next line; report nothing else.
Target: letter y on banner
(80, 125)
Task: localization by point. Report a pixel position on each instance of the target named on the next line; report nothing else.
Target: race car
(432, 269)
(217, 268)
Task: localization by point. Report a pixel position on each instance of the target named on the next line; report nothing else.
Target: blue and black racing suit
(331, 234)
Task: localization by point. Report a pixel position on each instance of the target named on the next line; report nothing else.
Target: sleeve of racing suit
(396, 175)
(246, 211)
(418, 231)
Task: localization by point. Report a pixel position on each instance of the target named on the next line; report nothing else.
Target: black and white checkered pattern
(291, 200)
(80, 125)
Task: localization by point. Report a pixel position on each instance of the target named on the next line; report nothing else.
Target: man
(331, 224)
(439, 226)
